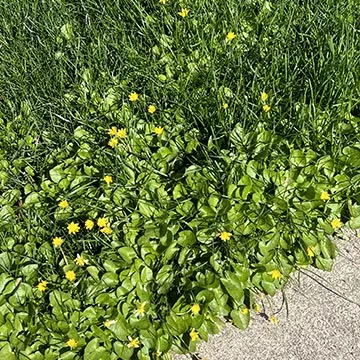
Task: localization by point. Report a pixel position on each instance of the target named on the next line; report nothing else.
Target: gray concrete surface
(320, 325)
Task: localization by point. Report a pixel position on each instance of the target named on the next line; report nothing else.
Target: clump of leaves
(198, 230)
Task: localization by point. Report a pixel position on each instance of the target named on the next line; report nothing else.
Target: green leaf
(355, 223)
(32, 199)
(57, 173)
(122, 350)
(146, 209)
(324, 264)
(111, 266)
(163, 343)
(297, 158)
(233, 287)
(186, 238)
(6, 352)
(128, 254)
(93, 271)
(80, 133)
(93, 351)
(240, 320)
(269, 287)
(179, 191)
(67, 31)
(353, 154)
(110, 279)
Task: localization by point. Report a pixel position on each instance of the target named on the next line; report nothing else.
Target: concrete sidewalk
(320, 326)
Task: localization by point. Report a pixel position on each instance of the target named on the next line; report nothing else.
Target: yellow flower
(158, 130)
(225, 105)
(73, 228)
(89, 224)
(264, 96)
(276, 274)
(245, 311)
(42, 285)
(184, 12)
(108, 179)
(113, 131)
(310, 251)
(140, 309)
(224, 235)
(230, 36)
(266, 108)
(108, 323)
(257, 308)
(195, 309)
(163, 1)
(106, 230)
(63, 204)
(274, 320)
(336, 223)
(133, 343)
(57, 241)
(80, 261)
(133, 96)
(194, 335)
(113, 142)
(72, 343)
(102, 222)
(151, 109)
(121, 134)
(70, 275)
(325, 196)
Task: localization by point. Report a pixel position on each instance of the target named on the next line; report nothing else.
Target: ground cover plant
(165, 164)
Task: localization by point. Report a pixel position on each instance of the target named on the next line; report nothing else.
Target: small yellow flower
(245, 311)
(63, 204)
(224, 235)
(266, 108)
(324, 196)
(230, 36)
(310, 251)
(102, 222)
(113, 131)
(151, 109)
(121, 134)
(70, 275)
(72, 343)
(113, 142)
(194, 335)
(80, 261)
(140, 311)
(73, 228)
(158, 130)
(108, 323)
(336, 223)
(264, 96)
(133, 96)
(276, 274)
(89, 224)
(184, 12)
(225, 105)
(42, 285)
(273, 320)
(106, 230)
(257, 308)
(108, 179)
(133, 343)
(195, 309)
(57, 241)
(163, 1)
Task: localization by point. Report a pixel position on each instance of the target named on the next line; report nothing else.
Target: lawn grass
(67, 69)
